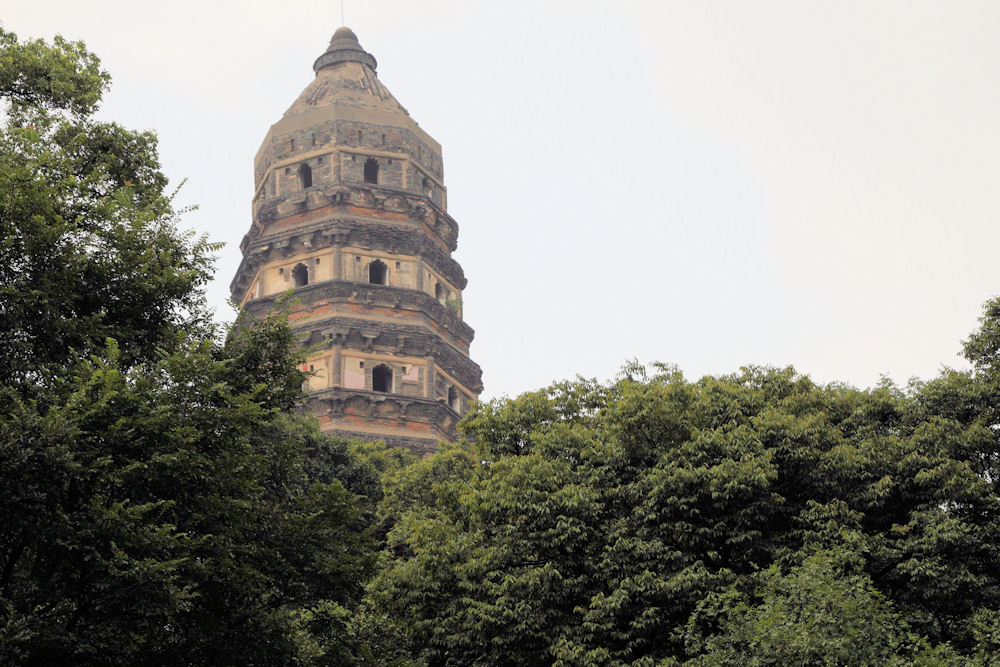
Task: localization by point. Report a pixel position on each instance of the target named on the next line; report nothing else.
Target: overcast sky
(711, 184)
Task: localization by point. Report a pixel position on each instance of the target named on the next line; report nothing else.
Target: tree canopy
(91, 248)
(159, 504)
(755, 518)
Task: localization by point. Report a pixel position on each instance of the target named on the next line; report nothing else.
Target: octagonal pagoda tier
(350, 214)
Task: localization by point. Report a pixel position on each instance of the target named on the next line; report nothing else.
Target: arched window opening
(371, 171)
(382, 378)
(377, 272)
(440, 292)
(305, 176)
(300, 275)
(453, 398)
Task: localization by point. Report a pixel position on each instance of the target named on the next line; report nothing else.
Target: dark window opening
(382, 378)
(305, 176)
(359, 136)
(293, 144)
(383, 140)
(371, 171)
(440, 292)
(300, 275)
(453, 398)
(377, 272)
(314, 139)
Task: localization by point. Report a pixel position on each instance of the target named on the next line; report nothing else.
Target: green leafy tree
(823, 611)
(158, 502)
(89, 247)
(654, 520)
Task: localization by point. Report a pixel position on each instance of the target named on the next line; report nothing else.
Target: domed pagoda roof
(345, 77)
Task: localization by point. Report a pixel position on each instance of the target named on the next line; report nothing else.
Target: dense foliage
(755, 518)
(90, 247)
(158, 503)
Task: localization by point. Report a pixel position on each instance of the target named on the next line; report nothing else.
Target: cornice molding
(271, 210)
(384, 411)
(393, 339)
(384, 296)
(332, 231)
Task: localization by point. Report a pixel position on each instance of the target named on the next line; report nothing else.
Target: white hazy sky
(705, 183)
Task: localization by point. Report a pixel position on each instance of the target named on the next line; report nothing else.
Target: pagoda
(350, 215)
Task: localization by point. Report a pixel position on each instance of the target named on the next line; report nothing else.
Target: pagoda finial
(344, 47)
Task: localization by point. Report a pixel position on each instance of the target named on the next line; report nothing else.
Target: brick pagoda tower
(350, 212)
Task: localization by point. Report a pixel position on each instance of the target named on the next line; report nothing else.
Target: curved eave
(367, 294)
